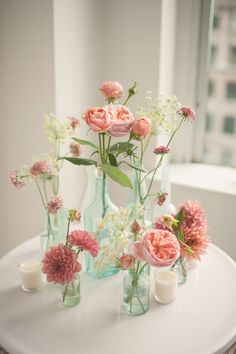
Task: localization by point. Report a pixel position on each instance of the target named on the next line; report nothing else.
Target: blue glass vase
(101, 205)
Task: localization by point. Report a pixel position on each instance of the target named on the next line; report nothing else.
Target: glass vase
(55, 231)
(181, 267)
(136, 289)
(71, 293)
(102, 265)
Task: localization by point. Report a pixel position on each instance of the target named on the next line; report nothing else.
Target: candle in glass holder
(31, 275)
(166, 286)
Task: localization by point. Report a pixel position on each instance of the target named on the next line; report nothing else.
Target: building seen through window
(220, 128)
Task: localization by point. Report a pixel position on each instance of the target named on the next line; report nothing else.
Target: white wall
(26, 93)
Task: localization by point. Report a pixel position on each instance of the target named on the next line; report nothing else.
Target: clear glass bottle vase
(97, 267)
(181, 267)
(136, 289)
(71, 293)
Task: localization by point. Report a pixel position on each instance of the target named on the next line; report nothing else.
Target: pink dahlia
(75, 149)
(194, 215)
(188, 113)
(60, 265)
(85, 241)
(160, 247)
(161, 198)
(196, 239)
(55, 204)
(16, 180)
(161, 150)
(40, 168)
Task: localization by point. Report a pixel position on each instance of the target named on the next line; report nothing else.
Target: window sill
(202, 176)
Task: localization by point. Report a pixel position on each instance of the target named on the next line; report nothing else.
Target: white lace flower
(57, 129)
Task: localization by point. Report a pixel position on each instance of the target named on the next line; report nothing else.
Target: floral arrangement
(60, 263)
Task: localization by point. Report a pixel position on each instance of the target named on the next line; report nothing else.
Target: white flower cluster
(57, 129)
(163, 113)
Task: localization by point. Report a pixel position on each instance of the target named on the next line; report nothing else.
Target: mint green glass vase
(55, 230)
(71, 293)
(93, 215)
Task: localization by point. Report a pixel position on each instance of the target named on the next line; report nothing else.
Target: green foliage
(79, 161)
(117, 175)
(86, 142)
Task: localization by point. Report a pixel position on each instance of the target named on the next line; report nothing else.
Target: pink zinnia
(196, 239)
(161, 150)
(16, 181)
(54, 205)
(85, 241)
(60, 265)
(194, 215)
(75, 149)
(161, 198)
(74, 122)
(40, 168)
(188, 113)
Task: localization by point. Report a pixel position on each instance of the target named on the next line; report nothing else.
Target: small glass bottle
(181, 267)
(71, 293)
(136, 290)
(93, 216)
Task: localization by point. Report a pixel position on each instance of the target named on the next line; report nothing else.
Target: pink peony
(136, 227)
(98, 119)
(194, 215)
(111, 89)
(55, 204)
(161, 150)
(60, 265)
(74, 122)
(40, 168)
(75, 149)
(161, 198)
(160, 247)
(121, 120)
(195, 238)
(141, 126)
(188, 113)
(16, 180)
(85, 241)
(165, 222)
(126, 261)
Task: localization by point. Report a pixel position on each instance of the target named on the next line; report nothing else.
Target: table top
(202, 320)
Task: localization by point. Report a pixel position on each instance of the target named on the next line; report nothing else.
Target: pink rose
(98, 119)
(141, 126)
(126, 261)
(112, 89)
(160, 248)
(121, 120)
(135, 251)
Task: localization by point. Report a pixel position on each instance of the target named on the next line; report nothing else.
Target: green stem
(65, 293)
(67, 232)
(108, 147)
(45, 191)
(143, 267)
(40, 193)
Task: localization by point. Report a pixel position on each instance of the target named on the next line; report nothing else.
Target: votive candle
(31, 275)
(166, 286)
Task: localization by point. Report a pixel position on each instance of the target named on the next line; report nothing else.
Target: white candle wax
(31, 275)
(166, 286)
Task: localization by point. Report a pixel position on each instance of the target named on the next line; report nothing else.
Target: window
(232, 19)
(211, 88)
(232, 54)
(231, 90)
(213, 54)
(208, 122)
(216, 20)
(229, 125)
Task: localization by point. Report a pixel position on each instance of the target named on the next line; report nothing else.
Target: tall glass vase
(55, 230)
(101, 205)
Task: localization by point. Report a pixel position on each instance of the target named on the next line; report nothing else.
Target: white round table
(202, 320)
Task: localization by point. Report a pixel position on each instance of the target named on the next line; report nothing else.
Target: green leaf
(117, 175)
(112, 160)
(86, 142)
(180, 217)
(122, 147)
(133, 166)
(181, 236)
(79, 161)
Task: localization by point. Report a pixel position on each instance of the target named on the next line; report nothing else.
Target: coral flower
(60, 265)
(195, 238)
(194, 215)
(141, 126)
(126, 261)
(112, 89)
(55, 204)
(188, 113)
(121, 120)
(160, 247)
(40, 168)
(16, 181)
(161, 150)
(85, 241)
(98, 119)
